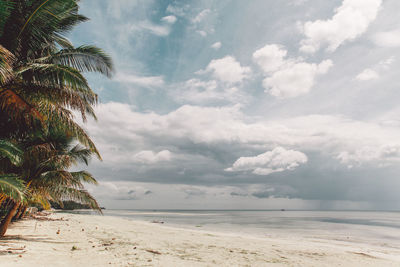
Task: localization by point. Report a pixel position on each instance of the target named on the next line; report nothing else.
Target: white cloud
(295, 79)
(368, 154)
(228, 69)
(277, 160)
(202, 33)
(145, 81)
(350, 21)
(367, 75)
(216, 45)
(160, 30)
(169, 19)
(150, 157)
(119, 127)
(374, 72)
(201, 16)
(387, 39)
(270, 58)
(207, 92)
(287, 77)
(177, 10)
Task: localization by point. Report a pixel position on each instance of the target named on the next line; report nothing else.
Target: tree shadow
(30, 238)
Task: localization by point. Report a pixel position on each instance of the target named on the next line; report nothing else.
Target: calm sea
(379, 228)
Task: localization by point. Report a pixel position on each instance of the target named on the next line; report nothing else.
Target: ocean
(377, 228)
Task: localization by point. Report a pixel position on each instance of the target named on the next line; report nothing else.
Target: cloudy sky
(247, 104)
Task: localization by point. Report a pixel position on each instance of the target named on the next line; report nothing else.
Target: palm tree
(46, 78)
(44, 169)
(47, 160)
(11, 186)
(41, 84)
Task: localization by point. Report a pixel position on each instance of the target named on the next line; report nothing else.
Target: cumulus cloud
(367, 75)
(374, 73)
(287, 77)
(216, 45)
(383, 155)
(387, 38)
(228, 69)
(205, 126)
(169, 19)
(277, 160)
(350, 21)
(270, 57)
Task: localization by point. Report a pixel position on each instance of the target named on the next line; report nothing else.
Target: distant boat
(282, 209)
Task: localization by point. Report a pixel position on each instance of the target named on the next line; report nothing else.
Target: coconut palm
(46, 79)
(46, 165)
(12, 187)
(41, 84)
(44, 168)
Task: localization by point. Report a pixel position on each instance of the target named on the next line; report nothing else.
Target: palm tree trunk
(16, 215)
(22, 212)
(6, 221)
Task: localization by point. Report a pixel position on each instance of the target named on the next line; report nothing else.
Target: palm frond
(18, 108)
(10, 151)
(6, 61)
(84, 176)
(81, 196)
(12, 187)
(84, 58)
(5, 9)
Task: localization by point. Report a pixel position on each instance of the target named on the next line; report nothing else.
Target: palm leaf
(84, 176)
(84, 58)
(5, 10)
(6, 61)
(12, 187)
(10, 151)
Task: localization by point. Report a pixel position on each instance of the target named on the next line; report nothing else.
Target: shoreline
(94, 240)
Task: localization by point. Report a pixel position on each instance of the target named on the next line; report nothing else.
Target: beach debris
(134, 247)
(153, 251)
(155, 221)
(74, 248)
(58, 232)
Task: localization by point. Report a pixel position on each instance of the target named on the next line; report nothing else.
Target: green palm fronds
(42, 87)
(11, 186)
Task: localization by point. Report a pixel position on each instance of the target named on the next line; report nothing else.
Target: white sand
(111, 241)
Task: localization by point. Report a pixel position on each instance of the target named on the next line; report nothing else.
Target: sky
(258, 104)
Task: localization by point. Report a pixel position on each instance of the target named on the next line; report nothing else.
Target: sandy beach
(90, 240)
